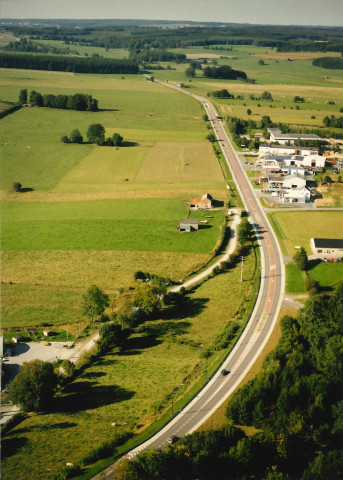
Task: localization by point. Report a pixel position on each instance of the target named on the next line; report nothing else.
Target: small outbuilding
(17, 338)
(47, 332)
(189, 224)
(331, 248)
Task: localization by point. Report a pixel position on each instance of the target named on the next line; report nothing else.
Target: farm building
(202, 203)
(283, 138)
(331, 248)
(47, 332)
(189, 224)
(294, 181)
(266, 149)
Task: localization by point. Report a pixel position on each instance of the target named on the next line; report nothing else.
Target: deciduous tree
(94, 302)
(34, 386)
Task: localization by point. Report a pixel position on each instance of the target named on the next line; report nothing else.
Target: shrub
(16, 186)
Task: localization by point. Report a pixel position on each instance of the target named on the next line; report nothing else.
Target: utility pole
(242, 258)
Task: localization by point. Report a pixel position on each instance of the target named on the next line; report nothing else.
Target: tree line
(295, 403)
(329, 62)
(24, 45)
(78, 101)
(68, 64)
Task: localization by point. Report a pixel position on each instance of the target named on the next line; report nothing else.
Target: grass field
(118, 389)
(299, 227)
(139, 225)
(327, 274)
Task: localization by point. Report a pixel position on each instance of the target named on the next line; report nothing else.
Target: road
(263, 317)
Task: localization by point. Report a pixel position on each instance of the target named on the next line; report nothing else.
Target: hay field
(175, 162)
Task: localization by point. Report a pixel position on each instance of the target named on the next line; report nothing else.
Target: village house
(330, 248)
(189, 224)
(202, 203)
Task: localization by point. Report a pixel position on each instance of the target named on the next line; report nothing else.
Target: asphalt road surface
(261, 322)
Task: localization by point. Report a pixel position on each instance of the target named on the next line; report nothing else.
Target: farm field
(297, 228)
(284, 75)
(79, 215)
(169, 348)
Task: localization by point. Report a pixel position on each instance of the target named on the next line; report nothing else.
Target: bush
(75, 136)
(16, 186)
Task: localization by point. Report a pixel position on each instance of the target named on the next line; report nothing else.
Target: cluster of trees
(223, 93)
(265, 96)
(67, 64)
(295, 402)
(329, 62)
(95, 134)
(333, 122)
(78, 101)
(225, 72)
(239, 126)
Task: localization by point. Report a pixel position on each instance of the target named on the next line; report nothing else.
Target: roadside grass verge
(295, 280)
(117, 388)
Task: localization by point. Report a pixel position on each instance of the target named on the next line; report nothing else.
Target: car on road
(224, 372)
(172, 439)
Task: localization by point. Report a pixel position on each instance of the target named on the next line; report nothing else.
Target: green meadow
(140, 225)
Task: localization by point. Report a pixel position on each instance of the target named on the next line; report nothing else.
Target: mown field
(164, 356)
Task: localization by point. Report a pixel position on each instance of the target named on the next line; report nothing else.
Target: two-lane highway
(263, 317)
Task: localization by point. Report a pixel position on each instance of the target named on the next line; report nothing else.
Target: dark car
(224, 372)
(172, 439)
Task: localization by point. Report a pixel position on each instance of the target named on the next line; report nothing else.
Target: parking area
(25, 352)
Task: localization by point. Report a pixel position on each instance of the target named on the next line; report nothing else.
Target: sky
(275, 12)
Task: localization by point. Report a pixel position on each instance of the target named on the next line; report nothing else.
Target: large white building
(297, 195)
(266, 149)
(283, 138)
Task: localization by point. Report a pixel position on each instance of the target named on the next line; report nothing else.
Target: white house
(330, 248)
(271, 161)
(297, 195)
(283, 138)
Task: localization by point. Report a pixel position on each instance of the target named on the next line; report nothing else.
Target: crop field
(297, 228)
(169, 348)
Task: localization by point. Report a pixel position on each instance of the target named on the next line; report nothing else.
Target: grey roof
(190, 221)
(328, 243)
(289, 147)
